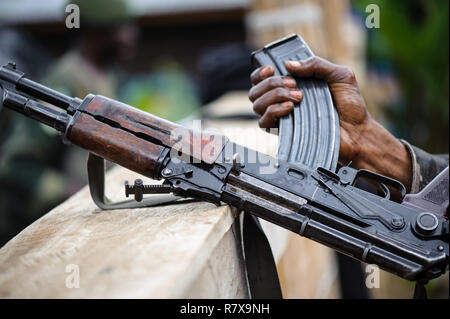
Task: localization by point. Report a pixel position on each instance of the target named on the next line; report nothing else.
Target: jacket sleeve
(425, 166)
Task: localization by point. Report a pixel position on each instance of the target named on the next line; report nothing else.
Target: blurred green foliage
(167, 92)
(413, 42)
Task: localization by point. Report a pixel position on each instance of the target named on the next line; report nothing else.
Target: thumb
(319, 68)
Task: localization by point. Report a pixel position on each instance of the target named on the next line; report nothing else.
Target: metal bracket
(96, 177)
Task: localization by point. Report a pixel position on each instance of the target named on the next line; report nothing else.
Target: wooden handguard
(116, 145)
(136, 139)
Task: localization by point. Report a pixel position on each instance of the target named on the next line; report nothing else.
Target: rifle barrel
(44, 93)
(15, 80)
(37, 111)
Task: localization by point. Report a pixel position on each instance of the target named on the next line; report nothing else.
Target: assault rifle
(320, 203)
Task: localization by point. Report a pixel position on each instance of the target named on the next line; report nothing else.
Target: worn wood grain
(200, 145)
(162, 252)
(116, 145)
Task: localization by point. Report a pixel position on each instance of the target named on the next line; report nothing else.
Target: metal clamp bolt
(139, 189)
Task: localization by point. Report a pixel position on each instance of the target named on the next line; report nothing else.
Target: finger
(274, 96)
(269, 84)
(319, 68)
(273, 113)
(261, 73)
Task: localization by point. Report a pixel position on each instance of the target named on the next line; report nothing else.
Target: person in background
(36, 170)
(107, 38)
(21, 180)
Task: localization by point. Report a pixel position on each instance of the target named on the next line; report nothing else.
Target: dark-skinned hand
(363, 141)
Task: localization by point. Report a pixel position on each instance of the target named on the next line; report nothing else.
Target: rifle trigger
(385, 191)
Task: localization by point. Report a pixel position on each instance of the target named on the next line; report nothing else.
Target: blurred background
(176, 58)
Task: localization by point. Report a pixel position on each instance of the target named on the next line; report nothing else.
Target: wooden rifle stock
(135, 139)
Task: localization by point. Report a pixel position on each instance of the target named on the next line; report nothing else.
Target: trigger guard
(381, 179)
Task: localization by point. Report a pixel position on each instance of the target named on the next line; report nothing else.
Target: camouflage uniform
(37, 171)
(425, 166)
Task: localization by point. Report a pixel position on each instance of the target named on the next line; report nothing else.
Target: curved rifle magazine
(310, 134)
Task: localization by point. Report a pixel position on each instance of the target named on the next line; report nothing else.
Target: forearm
(380, 152)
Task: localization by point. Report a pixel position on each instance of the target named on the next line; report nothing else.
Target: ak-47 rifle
(409, 240)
